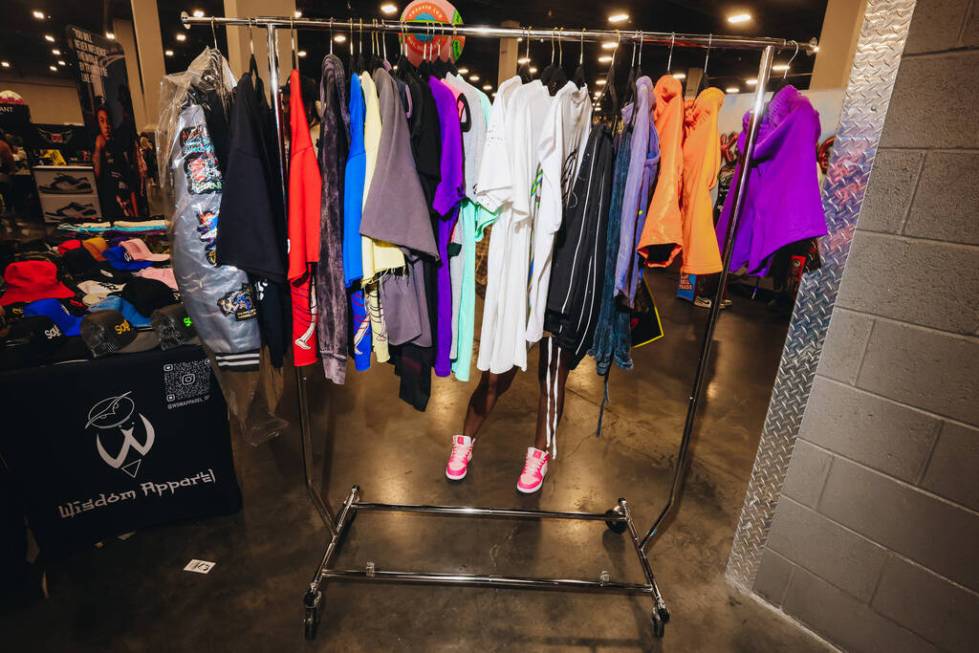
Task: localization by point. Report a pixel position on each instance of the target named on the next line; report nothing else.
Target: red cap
(69, 245)
(28, 281)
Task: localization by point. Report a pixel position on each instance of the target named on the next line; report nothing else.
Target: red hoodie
(305, 186)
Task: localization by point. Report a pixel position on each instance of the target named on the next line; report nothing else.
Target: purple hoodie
(782, 205)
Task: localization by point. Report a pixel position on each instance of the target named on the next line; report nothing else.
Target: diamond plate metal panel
(865, 104)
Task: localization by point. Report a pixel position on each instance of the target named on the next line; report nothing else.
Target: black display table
(100, 448)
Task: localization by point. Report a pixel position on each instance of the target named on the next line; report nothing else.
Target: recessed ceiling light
(605, 58)
(389, 8)
(181, 37)
(49, 38)
(110, 36)
(523, 60)
(780, 67)
(732, 89)
(487, 87)
(56, 52)
(474, 78)
(38, 14)
(463, 71)
(168, 53)
(297, 14)
(301, 53)
(533, 70)
(5, 64)
(198, 13)
(751, 82)
(61, 62)
(54, 68)
(679, 75)
(610, 45)
(519, 39)
(600, 82)
(618, 18)
(737, 19)
(340, 38)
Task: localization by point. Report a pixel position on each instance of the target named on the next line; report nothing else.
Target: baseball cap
(117, 303)
(37, 340)
(69, 245)
(174, 327)
(95, 247)
(108, 332)
(139, 251)
(147, 295)
(31, 280)
(120, 259)
(56, 311)
(80, 263)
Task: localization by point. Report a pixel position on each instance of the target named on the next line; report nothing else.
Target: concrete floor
(134, 596)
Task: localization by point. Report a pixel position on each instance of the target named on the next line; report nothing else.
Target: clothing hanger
(292, 43)
(579, 73)
(548, 72)
(214, 35)
(630, 84)
(359, 63)
(778, 84)
(524, 70)
(558, 78)
(703, 76)
(452, 59)
(611, 113)
(669, 59)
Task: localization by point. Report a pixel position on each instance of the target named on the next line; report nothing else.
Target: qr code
(187, 381)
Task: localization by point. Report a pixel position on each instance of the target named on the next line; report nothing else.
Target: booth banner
(107, 106)
(100, 448)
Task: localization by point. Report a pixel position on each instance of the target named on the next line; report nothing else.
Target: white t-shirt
(565, 131)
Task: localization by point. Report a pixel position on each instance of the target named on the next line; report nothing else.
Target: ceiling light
(679, 75)
(38, 14)
(198, 13)
(54, 68)
(463, 71)
(523, 60)
(732, 89)
(609, 45)
(389, 8)
(61, 62)
(181, 37)
(340, 38)
(474, 78)
(780, 67)
(301, 53)
(56, 52)
(533, 70)
(49, 38)
(751, 82)
(600, 82)
(487, 87)
(737, 19)
(815, 48)
(297, 14)
(519, 39)
(168, 53)
(618, 18)
(5, 64)
(605, 58)
(110, 36)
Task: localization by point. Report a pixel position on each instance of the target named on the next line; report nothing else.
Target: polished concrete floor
(133, 595)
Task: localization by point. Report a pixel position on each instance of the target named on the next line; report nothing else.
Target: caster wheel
(615, 526)
(311, 614)
(659, 626)
(664, 614)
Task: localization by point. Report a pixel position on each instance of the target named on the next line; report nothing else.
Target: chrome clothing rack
(619, 518)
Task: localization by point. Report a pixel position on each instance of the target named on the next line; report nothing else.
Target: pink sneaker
(462, 452)
(534, 471)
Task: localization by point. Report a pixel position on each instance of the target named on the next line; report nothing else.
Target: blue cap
(119, 259)
(117, 303)
(57, 313)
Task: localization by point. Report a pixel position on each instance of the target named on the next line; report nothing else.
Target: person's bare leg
(559, 362)
(483, 400)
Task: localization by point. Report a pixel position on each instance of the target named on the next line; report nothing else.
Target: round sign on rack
(432, 11)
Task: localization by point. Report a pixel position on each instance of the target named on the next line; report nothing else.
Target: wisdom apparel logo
(115, 415)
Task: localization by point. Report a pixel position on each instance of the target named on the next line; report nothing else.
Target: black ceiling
(22, 36)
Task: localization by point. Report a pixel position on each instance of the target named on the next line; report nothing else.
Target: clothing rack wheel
(619, 518)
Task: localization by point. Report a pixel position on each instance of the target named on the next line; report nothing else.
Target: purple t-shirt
(448, 194)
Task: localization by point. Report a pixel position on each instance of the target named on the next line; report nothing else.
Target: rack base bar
(463, 511)
(514, 582)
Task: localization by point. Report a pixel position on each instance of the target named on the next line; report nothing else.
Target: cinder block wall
(875, 542)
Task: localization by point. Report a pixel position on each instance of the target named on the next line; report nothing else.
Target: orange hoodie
(662, 234)
(701, 163)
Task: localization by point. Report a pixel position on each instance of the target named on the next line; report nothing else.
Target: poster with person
(107, 107)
